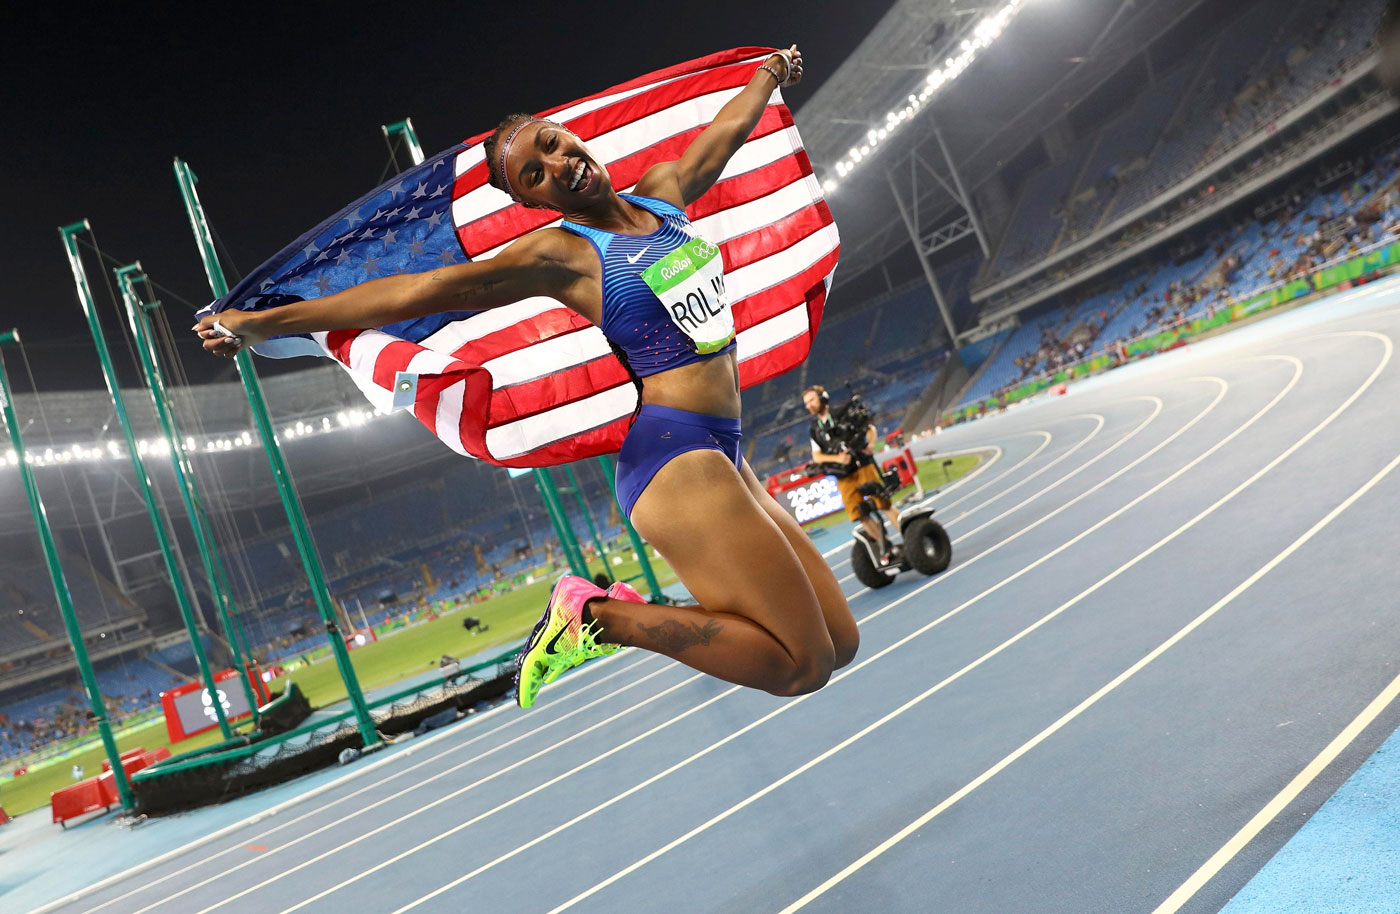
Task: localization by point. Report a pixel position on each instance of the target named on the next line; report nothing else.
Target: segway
(926, 547)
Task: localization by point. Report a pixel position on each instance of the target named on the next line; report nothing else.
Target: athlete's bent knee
(846, 648)
(807, 675)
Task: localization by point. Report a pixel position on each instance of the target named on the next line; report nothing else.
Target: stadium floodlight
(228, 441)
(985, 32)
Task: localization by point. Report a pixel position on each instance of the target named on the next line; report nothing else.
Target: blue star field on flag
(402, 226)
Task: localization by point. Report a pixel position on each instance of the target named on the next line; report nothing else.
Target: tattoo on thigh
(675, 636)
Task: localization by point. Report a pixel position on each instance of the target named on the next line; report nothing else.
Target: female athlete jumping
(771, 614)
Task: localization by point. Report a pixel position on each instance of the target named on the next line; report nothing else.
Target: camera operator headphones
(821, 394)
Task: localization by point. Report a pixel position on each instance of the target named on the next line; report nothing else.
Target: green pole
(587, 517)
(60, 583)
(647, 573)
(405, 129)
(179, 462)
(69, 234)
(550, 493)
(286, 489)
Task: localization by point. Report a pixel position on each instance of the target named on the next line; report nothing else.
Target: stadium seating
(1273, 57)
(1121, 146)
(31, 616)
(1138, 301)
(1039, 211)
(127, 684)
(1187, 142)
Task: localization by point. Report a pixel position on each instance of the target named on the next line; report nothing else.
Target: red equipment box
(190, 710)
(100, 792)
(904, 463)
(128, 754)
(78, 799)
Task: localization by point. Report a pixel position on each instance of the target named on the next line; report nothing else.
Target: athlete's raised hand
(790, 63)
(226, 333)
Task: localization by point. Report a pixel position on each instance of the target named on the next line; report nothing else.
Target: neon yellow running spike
(559, 641)
(618, 591)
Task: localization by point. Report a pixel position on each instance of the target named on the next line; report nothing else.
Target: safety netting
(274, 754)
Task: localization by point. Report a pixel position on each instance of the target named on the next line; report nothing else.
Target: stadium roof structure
(1051, 56)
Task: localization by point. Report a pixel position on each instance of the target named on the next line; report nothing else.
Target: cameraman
(828, 449)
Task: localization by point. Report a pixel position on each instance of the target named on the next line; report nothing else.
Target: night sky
(278, 110)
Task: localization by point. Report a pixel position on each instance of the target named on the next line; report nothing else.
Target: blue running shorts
(661, 433)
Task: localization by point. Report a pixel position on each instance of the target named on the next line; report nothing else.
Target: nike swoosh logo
(633, 258)
(549, 648)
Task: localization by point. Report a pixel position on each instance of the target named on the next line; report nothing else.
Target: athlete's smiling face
(549, 166)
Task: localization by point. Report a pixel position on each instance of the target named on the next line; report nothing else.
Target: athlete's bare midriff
(710, 387)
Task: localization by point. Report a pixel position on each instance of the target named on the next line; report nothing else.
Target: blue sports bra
(664, 303)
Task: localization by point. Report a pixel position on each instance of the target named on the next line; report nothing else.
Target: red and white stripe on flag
(533, 383)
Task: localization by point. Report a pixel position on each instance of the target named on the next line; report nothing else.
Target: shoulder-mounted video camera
(849, 424)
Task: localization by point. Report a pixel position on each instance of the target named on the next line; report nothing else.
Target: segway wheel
(927, 546)
(865, 569)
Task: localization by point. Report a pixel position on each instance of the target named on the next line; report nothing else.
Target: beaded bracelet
(773, 71)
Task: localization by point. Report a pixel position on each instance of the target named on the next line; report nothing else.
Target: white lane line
(360, 810)
(1220, 395)
(1152, 416)
(1098, 427)
(1020, 463)
(754, 797)
(1290, 792)
(1013, 468)
(726, 693)
(982, 467)
(544, 785)
(1156, 411)
(419, 745)
(1252, 828)
(997, 453)
(990, 482)
(448, 796)
(1224, 386)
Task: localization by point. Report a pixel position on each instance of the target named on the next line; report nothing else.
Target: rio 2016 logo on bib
(690, 283)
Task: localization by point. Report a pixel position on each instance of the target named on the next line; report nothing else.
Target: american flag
(533, 383)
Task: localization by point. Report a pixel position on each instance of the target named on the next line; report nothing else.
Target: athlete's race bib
(690, 283)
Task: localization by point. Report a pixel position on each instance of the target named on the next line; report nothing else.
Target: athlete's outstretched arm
(534, 265)
(704, 159)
